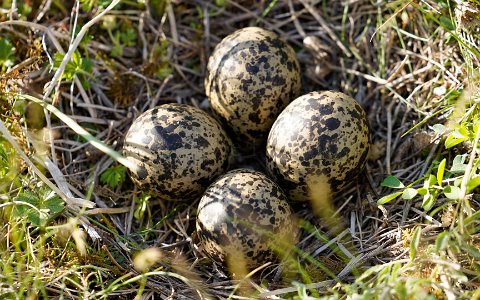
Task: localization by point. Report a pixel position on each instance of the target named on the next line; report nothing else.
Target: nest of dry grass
(399, 66)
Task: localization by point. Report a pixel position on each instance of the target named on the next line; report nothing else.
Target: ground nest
(400, 65)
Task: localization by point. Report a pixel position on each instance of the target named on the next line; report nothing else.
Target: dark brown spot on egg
(252, 69)
(332, 123)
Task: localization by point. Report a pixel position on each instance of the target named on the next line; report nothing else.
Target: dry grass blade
(80, 130)
(74, 203)
(73, 47)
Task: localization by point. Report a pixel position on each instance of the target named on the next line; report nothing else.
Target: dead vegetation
(399, 59)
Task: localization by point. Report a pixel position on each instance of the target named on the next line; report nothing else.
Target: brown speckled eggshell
(318, 144)
(252, 75)
(179, 149)
(235, 213)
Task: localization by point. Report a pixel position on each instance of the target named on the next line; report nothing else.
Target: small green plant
(159, 60)
(6, 153)
(88, 5)
(8, 166)
(7, 57)
(121, 33)
(77, 66)
(38, 207)
(91, 5)
(23, 8)
(158, 7)
(222, 3)
(428, 190)
(121, 39)
(433, 182)
(142, 207)
(113, 176)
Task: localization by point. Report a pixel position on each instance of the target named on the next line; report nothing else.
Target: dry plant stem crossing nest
(397, 65)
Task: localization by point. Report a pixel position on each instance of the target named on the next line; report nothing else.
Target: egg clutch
(315, 144)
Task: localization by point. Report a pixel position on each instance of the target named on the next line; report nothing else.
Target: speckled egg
(318, 145)
(242, 217)
(179, 150)
(252, 75)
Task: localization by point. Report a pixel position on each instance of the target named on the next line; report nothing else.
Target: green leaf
(76, 58)
(113, 176)
(473, 218)
(70, 68)
(452, 192)
(33, 217)
(396, 272)
(45, 205)
(7, 59)
(222, 3)
(8, 164)
(3, 155)
(476, 123)
(128, 37)
(430, 181)
(87, 5)
(473, 251)
(415, 242)
(117, 50)
(85, 84)
(451, 141)
(384, 272)
(388, 198)
(473, 183)
(76, 65)
(409, 193)
(52, 201)
(441, 171)
(392, 182)
(460, 133)
(87, 65)
(457, 136)
(439, 129)
(458, 168)
(28, 197)
(458, 164)
(105, 3)
(458, 181)
(442, 241)
(423, 191)
(142, 206)
(158, 7)
(163, 72)
(428, 201)
(459, 159)
(401, 289)
(447, 23)
(24, 8)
